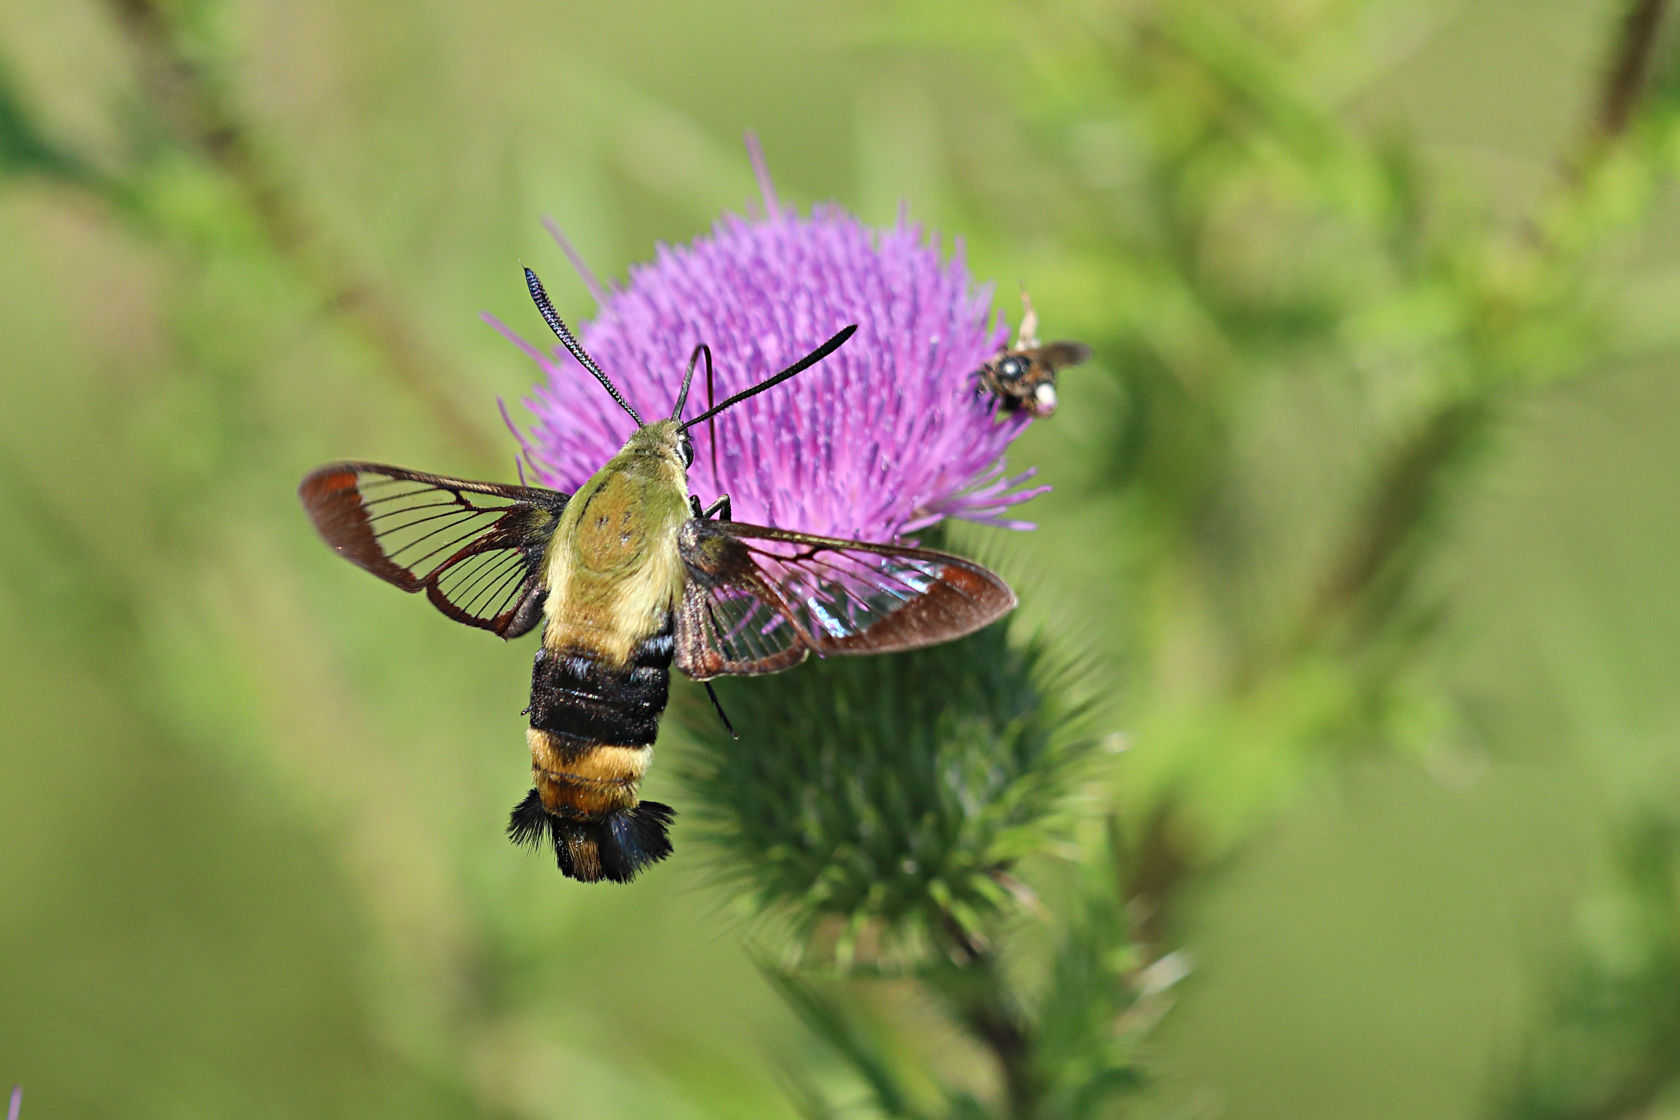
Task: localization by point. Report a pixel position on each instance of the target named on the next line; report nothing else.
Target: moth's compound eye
(685, 448)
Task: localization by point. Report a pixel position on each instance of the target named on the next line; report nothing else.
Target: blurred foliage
(1364, 511)
(1609, 1044)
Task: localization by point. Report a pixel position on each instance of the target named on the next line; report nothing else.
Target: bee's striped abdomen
(593, 724)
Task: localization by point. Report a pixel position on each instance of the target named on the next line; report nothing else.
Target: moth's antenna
(727, 726)
(682, 395)
(711, 426)
(800, 366)
(559, 328)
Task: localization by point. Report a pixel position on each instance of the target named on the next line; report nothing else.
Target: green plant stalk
(978, 996)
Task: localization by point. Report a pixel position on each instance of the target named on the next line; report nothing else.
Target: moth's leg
(727, 726)
(720, 509)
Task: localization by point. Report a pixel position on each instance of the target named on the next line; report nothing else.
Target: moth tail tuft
(529, 823)
(634, 838)
(589, 849)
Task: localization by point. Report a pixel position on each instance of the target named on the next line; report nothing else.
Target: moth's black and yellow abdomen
(593, 724)
(580, 699)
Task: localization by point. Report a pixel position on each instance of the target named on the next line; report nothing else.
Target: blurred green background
(252, 802)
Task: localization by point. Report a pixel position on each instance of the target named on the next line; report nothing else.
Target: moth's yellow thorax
(614, 572)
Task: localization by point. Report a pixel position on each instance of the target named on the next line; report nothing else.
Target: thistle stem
(978, 996)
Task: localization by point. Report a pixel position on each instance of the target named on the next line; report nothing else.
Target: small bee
(1024, 376)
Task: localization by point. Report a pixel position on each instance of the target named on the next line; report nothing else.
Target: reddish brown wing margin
(475, 548)
(757, 599)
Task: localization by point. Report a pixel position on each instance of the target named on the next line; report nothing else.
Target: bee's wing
(476, 548)
(758, 599)
(1060, 355)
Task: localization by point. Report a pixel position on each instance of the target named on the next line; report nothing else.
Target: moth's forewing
(475, 548)
(759, 598)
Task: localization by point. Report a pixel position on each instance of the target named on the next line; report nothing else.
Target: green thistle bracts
(890, 790)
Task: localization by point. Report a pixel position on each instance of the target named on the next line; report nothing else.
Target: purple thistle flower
(885, 437)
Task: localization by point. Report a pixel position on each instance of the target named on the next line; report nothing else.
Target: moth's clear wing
(475, 548)
(758, 599)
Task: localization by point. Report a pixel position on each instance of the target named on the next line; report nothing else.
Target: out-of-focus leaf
(25, 147)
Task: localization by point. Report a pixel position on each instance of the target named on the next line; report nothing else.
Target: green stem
(978, 995)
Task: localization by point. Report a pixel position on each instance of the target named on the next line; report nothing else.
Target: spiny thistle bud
(895, 790)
